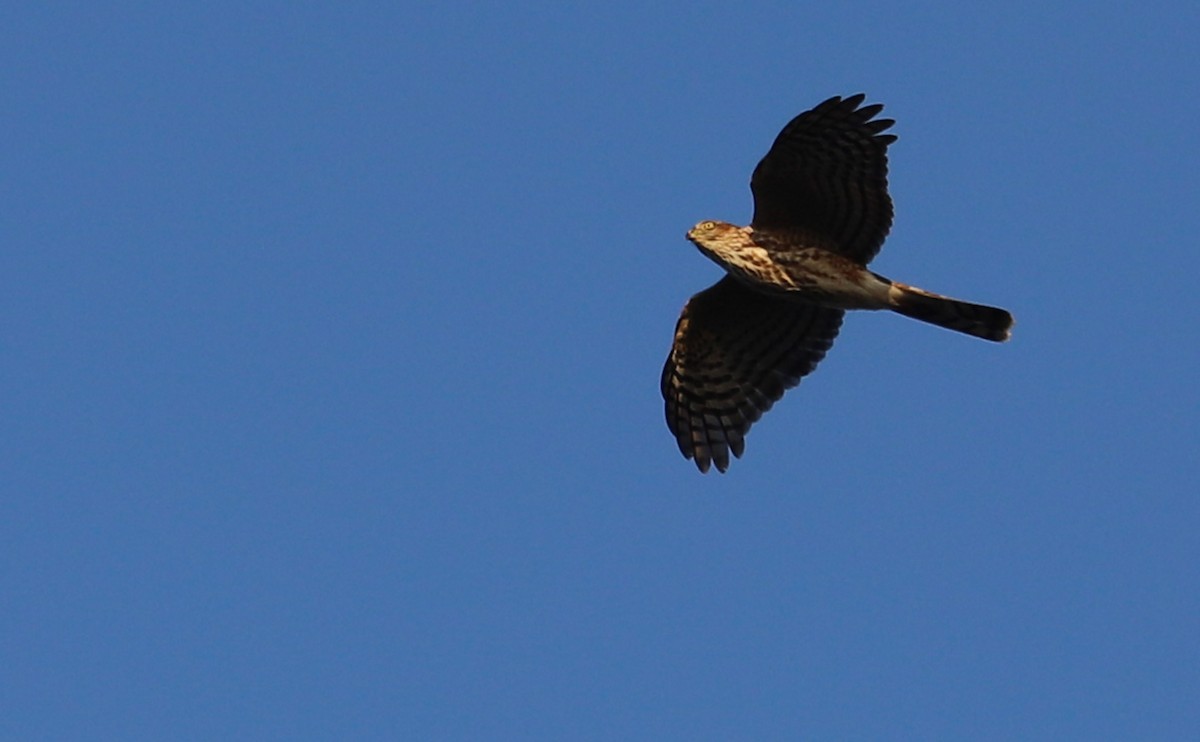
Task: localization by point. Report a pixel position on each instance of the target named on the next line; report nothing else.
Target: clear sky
(332, 336)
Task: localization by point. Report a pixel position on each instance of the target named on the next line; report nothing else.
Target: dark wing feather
(826, 173)
(735, 353)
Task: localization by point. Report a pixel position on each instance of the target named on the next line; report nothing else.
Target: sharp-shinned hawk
(821, 212)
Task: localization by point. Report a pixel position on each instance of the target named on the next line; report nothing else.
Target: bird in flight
(821, 212)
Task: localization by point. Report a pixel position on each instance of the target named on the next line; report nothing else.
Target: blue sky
(333, 335)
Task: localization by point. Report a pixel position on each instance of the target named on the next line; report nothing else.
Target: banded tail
(989, 323)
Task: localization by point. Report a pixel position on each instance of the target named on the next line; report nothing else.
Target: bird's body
(821, 213)
(789, 268)
(794, 267)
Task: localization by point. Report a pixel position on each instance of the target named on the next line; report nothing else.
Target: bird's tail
(989, 323)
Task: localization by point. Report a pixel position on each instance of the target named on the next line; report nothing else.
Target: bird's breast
(808, 273)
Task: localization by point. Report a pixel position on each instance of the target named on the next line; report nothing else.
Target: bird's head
(717, 239)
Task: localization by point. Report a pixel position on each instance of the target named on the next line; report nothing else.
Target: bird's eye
(708, 225)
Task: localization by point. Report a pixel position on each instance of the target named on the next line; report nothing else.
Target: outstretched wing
(826, 173)
(735, 353)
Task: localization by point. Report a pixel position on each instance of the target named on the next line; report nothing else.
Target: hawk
(821, 212)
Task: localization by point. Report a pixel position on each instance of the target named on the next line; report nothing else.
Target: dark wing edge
(735, 353)
(826, 173)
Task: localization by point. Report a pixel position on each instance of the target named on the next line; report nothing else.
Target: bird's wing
(826, 174)
(735, 353)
